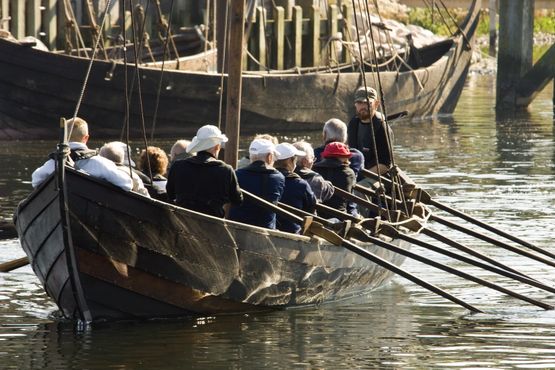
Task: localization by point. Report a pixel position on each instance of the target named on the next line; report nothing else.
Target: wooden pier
(291, 36)
(518, 79)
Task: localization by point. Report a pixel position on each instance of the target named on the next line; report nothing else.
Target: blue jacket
(265, 182)
(298, 194)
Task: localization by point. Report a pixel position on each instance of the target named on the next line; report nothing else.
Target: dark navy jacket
(204, 184)
(265, 182)
(298, 194)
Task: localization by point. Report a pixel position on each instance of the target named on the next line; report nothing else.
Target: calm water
(498, 169)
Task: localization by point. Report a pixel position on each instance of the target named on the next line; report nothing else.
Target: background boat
(37, 87)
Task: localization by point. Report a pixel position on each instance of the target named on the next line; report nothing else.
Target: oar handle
(14, 264)
(273, 207)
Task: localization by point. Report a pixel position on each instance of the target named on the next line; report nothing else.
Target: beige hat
(208, 136)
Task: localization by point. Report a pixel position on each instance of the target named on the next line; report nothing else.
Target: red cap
(336, 149)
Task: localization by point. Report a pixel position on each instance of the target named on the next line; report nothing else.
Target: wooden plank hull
(37, 88)
(140, 258)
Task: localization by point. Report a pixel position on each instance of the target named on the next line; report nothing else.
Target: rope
(135, 71)
(141, 108)
(78, 105)
(393, 172)
(220, 107)
(158, 93)
(125, 90)
(363, 75)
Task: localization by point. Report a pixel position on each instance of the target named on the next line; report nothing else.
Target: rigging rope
(363, 75)
(141, 107)
(78, 105)
(393, 170)
(159, 92)
(226, 25)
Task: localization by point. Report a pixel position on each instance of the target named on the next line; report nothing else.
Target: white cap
(287, 150)
(262, 146)
(208, 136)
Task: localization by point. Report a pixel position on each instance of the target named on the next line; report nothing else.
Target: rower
(262, 179)
(203, 183)
(84, 159)
(335, 168)
(297, 192)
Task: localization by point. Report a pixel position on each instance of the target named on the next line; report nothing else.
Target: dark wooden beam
(234, 83)
(536, 78)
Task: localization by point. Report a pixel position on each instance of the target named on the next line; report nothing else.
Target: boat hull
(38, 87)
(130, 257)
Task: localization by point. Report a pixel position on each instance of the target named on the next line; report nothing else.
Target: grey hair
(335, 130)
(180, 146)
(258, 157)
(305, 147)
(112, 151)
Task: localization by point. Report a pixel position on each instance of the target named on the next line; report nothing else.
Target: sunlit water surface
(497, 169)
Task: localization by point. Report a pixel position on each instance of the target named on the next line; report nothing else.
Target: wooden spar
(14, 264)
(234, 84)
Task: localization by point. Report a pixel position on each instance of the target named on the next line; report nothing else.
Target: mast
(234, 84)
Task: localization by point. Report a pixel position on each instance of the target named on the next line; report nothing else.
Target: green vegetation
(543, 22)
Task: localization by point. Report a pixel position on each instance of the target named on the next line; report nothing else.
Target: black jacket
(340, 175)
(360, 137)
(204, 184)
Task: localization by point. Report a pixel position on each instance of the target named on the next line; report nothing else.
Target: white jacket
(96, 166)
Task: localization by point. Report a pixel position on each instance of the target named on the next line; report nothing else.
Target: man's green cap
(363, 93)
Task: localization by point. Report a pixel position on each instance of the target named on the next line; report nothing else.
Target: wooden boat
(37, 87)
(103, 253)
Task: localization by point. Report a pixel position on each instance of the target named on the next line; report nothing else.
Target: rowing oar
(392, 232)
(13, 264)
(7, 230)
(490, 240)
(361, 235)
(426, 198)
(427, 231)
(319, 230)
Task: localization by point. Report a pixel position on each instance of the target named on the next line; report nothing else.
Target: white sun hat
(208, 136)
(262, 146)
(287, 150)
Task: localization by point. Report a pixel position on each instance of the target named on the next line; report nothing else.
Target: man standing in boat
(203, 183)
(367, 122)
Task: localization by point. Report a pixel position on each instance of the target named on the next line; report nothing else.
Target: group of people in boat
(293, 174)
